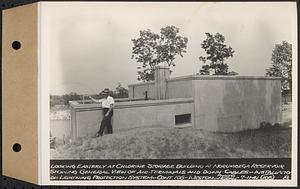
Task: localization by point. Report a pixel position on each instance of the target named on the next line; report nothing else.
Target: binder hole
(17, 147)
(16, 45)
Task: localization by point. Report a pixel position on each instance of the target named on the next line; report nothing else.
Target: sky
(88, 44)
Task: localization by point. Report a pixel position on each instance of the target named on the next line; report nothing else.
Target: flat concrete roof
(223, 77)
(211, 77)
(129, 104)
(142, 83)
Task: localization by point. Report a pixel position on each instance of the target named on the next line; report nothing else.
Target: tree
(171, 45)
(216, 52)
(145, 51)
(282, 65)
(121, 92)
(151, 49)
(71, 96)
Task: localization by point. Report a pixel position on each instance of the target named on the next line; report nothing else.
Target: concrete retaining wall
(86, 118)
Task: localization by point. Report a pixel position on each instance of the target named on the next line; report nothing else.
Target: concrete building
(214, 103)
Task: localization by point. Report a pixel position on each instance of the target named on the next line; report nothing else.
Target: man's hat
(105, 91)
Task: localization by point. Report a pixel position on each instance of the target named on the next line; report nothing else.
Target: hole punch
(16, 45)
(17, 147)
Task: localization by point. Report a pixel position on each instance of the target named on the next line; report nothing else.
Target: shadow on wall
(247, 103)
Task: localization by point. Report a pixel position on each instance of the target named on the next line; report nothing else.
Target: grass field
(152, 143)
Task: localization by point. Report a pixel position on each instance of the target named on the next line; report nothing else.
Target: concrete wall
(88, 122)
(151, 113)
(180, 87)
(231, 104)
(86, 118)
(138, 90)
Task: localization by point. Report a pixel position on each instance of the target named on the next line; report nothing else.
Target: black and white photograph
(106, 93)
(170, 80)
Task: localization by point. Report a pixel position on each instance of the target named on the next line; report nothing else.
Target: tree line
(119, 92)
(151, 49)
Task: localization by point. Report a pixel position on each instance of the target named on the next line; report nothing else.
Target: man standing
(107, 104)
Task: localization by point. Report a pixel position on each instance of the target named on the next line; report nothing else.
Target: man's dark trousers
(106, 122)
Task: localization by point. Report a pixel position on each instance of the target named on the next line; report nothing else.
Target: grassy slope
(180, 143)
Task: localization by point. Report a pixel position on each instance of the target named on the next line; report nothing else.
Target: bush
(64, 99)
(265, 125)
